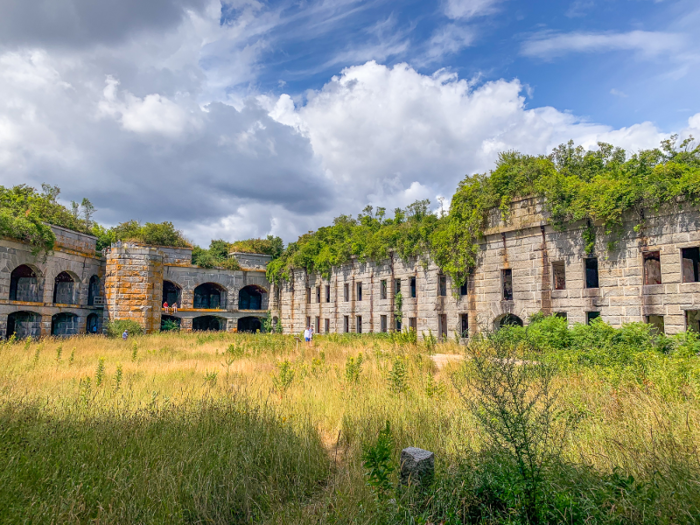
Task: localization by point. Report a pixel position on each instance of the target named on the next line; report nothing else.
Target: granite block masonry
(417, 466)
(524, 266)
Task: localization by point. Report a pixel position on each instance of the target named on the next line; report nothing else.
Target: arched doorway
(23, 324)
(25, 285)
(251, 298)
(64, 289)
(92, 325)
(64, 324)
(249, 324)
(170, 323)
(209, 296)
(172, 294)
(93, 290)
(208, 323)
(507, 320)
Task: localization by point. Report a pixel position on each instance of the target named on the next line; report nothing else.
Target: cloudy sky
(236, 119)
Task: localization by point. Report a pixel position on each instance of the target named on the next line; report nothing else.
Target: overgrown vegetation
(155, 234)
(541, 424)
(217, 256)
(596, 188)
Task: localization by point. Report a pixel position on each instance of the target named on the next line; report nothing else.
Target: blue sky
(642, 77)
(239, 118)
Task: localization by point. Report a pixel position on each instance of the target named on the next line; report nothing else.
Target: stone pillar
(46, 325)
(3, 324)
(186, 325)
(134, 285)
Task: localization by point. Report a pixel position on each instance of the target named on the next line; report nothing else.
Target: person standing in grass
(125, 335)
(307, 335)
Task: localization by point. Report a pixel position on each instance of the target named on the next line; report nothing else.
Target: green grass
(234, 428)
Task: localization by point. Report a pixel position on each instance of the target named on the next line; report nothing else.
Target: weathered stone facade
(73, 290)
(524, 266)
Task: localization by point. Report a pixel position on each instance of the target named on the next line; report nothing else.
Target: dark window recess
(382, 324)
(463, 288)
(592, 315)
(209, 296)
(359, 324)
(308, 295)
(382, 289)
(692, 320)
(318, 294)
(507, 279)
(657, 322)
(24, 286)
(563, 315)
(397, 286)
(328, 293)
(318, 325)
(327, 326)
(359, 291)
(690, 264)
(413, 324)
(442, 284)
(346, 323)
(64, 289)
(559, 275)
(308, 322)
(464, 325)
(250, 298)
(443, 326)
(591, 272)
(652, 268)
(346, 292)
(413, 286)
(398, 325)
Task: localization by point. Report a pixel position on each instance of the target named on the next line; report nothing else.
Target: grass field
(232, 428)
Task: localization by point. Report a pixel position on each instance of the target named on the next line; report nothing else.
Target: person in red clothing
(165, 306)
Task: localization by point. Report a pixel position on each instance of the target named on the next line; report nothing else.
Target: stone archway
(251, 297)
(208, 323)
(26, 285)
(507, 320)
(249, 324)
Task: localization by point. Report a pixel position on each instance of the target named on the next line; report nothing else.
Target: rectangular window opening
(443, 326)
(464, 324)
(328, 293)
(591, 272)
(692, 321)
(397, 286)
(652, 268)
(308, 322)
(442, 285)
(413, 286)
(559, 275)
(382, 324)
(318, 325)
(346, 324)
(507, 280)
(382, 289)
(359, 291)
(346, 292)
(327, 326)
(398, 325)
(592, 315)
(690, 264)
(657, 322)
(318, 294)
(359, 324)
(308, 295)
(563, 315)
(463, 288)
(413, 324)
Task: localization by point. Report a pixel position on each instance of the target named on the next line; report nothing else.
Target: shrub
(116, 328)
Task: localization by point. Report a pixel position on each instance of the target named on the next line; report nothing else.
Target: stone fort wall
(524, 266)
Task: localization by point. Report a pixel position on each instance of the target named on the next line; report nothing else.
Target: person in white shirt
(307, 334)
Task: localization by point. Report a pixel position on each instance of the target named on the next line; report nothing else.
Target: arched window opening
(170, 323)
(209, 296)
(251, 298)
(23, 324)
(172, 294)
(64, 289)
(25, 285)
(92, 325)
(93, 290)
(208, 323)
(507, 320)
(249, 324)
(64, 324)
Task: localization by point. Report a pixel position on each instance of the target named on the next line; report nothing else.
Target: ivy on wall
(596, 187)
